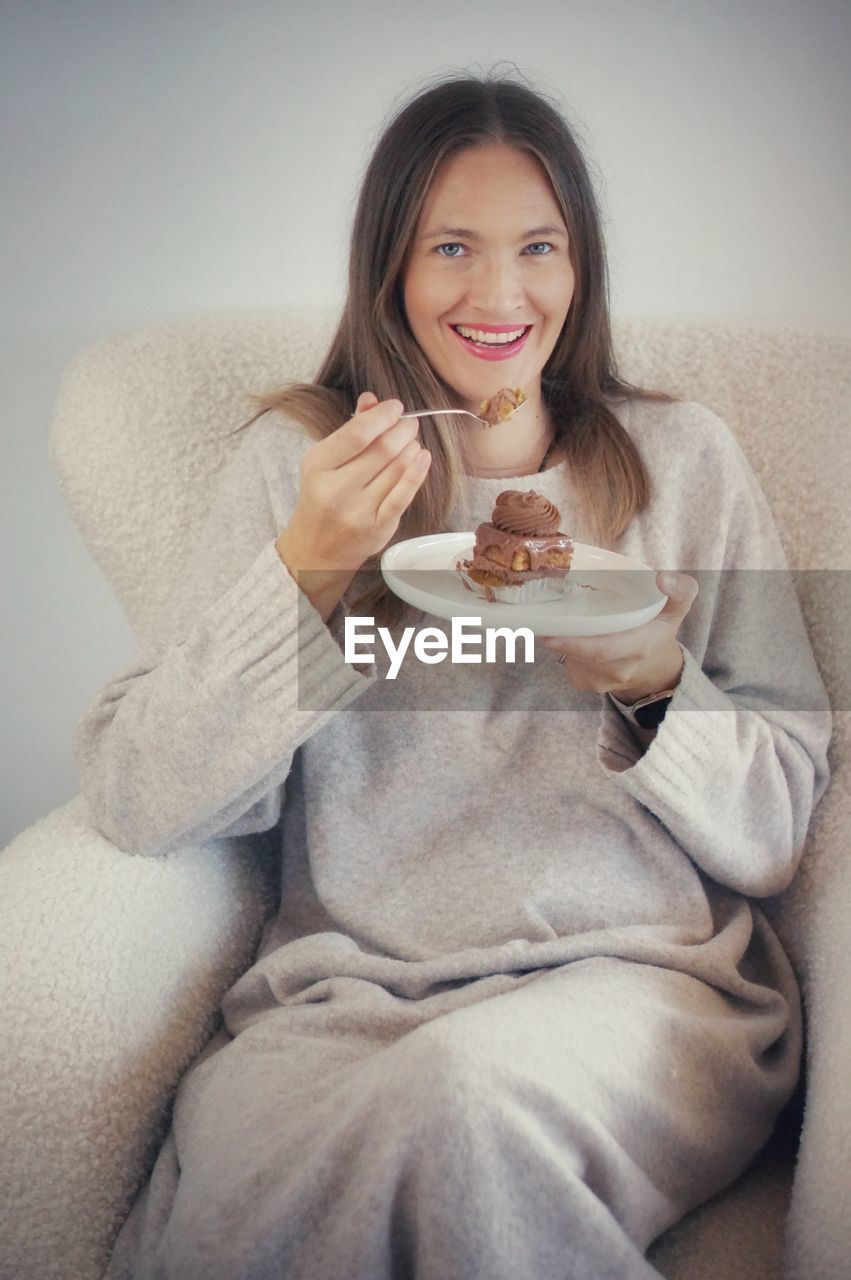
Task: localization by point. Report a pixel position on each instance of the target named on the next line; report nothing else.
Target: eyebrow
(466, 234)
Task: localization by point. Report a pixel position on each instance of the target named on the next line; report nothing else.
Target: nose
(496, 289)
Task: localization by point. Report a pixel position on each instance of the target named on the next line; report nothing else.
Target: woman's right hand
(355, 486)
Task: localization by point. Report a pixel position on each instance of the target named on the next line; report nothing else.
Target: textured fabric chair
(112, 966)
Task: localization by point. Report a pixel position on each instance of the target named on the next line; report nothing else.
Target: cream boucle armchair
(112, 966)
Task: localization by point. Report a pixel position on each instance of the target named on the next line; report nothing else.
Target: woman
(516, 1014)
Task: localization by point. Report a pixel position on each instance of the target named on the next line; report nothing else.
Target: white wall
(161, 158)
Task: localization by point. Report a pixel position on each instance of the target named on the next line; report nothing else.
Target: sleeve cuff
(681, 746)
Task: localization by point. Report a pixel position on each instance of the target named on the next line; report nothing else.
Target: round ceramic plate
(611, 592)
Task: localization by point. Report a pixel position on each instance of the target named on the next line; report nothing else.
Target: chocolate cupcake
(520, 555)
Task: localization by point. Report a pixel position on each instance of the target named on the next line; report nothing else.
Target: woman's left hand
(632, 664)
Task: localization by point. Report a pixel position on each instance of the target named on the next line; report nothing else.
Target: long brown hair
(373, 348)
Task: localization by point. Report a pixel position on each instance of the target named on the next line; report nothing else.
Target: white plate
(614, 592)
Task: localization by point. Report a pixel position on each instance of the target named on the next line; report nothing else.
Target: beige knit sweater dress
(519, 1010)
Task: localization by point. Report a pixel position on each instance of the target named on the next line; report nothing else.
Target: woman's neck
(512, 448)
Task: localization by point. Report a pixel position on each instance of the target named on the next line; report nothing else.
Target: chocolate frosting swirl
(528, 514)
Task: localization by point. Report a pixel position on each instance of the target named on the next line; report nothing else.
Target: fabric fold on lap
(554, 1128)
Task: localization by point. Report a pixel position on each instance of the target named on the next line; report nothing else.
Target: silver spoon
(432, 413)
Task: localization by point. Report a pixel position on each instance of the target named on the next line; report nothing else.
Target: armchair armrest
(111, 970)
(815, 916)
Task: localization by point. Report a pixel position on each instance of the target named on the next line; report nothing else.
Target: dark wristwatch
(647, 713)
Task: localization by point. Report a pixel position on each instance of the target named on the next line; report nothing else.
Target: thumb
(681, 590)
(366, 400)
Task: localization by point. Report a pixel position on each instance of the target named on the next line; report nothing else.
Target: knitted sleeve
(740, 760)
(197, 738)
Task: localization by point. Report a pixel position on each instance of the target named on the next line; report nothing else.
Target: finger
(576, 673)
(356, 435)
(386, 449)
(555, 646)
(388, 469)
(401, 493)
(681, 590)
(593, 649)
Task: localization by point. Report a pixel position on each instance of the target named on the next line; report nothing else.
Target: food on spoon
(500, 407)
(520, 555)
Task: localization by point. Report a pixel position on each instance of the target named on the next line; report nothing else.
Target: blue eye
(453, 244)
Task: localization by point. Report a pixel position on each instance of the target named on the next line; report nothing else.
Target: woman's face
(490, 254)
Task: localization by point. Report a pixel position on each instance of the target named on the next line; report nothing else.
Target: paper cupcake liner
(538, 591)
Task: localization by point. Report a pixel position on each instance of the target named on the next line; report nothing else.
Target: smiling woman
(477, 261)
(515, 1014)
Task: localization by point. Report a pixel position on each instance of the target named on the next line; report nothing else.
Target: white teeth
(490, 339)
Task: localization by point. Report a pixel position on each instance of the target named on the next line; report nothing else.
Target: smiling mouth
(488, 338)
